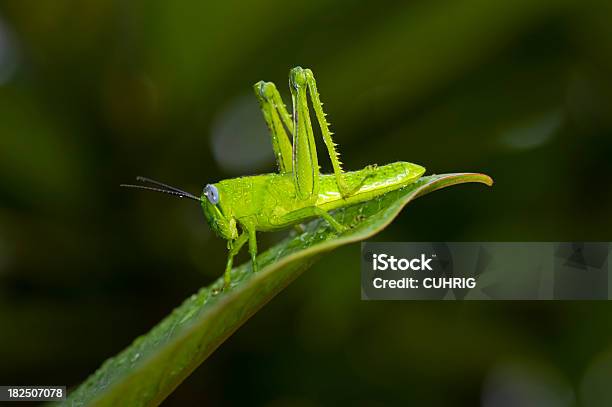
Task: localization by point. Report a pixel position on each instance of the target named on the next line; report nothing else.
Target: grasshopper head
(223, 225)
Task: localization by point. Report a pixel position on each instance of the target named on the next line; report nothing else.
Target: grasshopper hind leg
(312, 212)
(279, 123)
(302, 81)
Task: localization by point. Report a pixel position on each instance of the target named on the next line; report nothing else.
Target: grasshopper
(236, 209)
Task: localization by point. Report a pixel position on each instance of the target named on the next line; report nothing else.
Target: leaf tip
(487, 180)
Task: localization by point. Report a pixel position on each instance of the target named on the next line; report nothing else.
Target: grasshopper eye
(212, 194)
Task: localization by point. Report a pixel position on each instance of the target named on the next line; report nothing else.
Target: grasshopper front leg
(234, 248)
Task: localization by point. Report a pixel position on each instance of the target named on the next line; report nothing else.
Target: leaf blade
(146, 372)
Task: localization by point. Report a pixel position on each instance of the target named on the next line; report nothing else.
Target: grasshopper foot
(299, 229)
(338, 227)
(227, 279)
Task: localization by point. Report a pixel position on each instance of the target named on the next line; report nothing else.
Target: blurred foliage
(93, 93)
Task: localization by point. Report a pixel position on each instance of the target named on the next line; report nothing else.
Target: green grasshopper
(238, 208)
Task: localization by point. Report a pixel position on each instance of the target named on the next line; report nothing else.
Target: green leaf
(156, 363)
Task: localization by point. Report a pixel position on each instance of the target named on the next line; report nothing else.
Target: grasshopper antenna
(164, 188)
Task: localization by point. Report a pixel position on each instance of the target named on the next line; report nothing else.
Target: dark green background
(93, 93)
